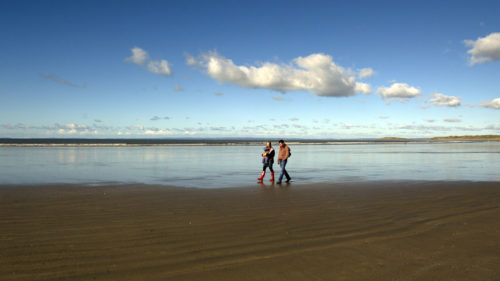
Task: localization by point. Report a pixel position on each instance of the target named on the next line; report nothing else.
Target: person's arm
(287, 152)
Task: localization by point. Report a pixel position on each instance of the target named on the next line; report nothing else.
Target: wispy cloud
(365, 73)
(278, 98)
(316, 73)
(219, 128)
(135, 128)
(141, 57)
(349, 126)
(62, 81)
(494, 104)
(443, 100)
(401, 92)
(484, 49)
(18, 126)
(423, 128)
(178, 88)
(156, 118)
(294, 119)
(157, 132)
(452, 120)
(219, 94)
(493, 127)
(72, 129)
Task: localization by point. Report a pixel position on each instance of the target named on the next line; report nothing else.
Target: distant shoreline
(56, 142)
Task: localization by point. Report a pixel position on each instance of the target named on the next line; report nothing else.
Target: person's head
(282, 143)
(268, 144)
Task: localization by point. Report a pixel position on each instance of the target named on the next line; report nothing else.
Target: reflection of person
(282, 160)
(267, 160)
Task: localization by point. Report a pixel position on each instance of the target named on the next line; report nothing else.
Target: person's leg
(283, 171)
(272, 171)
(288, 178)
(263, 172)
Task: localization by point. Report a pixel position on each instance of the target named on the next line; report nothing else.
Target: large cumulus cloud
(316, 73)
(494, 104)
(484, 49)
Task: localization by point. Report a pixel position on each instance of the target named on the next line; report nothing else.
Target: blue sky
(312, 69)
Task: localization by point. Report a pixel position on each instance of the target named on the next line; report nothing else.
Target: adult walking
(283, 156)
(267, 161)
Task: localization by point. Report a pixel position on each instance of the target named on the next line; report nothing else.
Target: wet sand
(356, 231)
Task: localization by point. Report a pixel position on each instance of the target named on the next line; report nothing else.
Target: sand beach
(396, 230)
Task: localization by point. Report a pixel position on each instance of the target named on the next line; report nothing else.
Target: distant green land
(468, 138)
(393, 139)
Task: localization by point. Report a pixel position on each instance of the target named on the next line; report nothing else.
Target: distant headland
(468, 138)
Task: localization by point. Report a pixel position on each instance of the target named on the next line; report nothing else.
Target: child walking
(267, 161)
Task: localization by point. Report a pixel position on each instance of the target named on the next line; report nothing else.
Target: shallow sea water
(228, 166)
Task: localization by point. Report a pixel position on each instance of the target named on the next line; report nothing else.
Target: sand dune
(358, 231)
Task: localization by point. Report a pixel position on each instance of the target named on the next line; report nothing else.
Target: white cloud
(398, 91)
(190, 60)
(157, 132)
(294, 119)
(365, 73)
(73, 129)
(443, 100)
(484, 49)
(136, 128)
(120, 133)
(316, 73)
(277, 98)
(430, 120)
(160, 67)
(363, 88)
(349, 126)
(141, 57)
(494, 104)
(452, 120)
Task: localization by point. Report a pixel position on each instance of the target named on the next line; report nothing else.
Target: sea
(216, 165)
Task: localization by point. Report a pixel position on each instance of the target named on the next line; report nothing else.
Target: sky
(264, 69)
